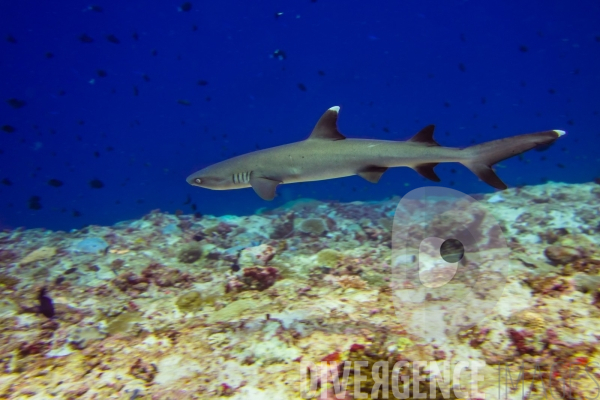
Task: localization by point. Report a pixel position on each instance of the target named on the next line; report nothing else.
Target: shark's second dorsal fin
(425, 136)
(326, 127)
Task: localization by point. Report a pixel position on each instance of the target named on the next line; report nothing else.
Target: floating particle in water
(551, 91)
(55, 183)
(136, 91)
(95, 8)
(76, 213)
(113, 39)
(16, 103)
(6, 182)
(49, 54)
(523, 49)
(302, 87)
(321, 72)
(96, 184)
(184, 102)
(101, 73)
(185, 7)
(145, 77)
(463, 38)
(279, 54)
(202, 82)
(154, 52)
(8, 128)
(11, 39)
(135, 36)
(462, 67)
(84, 38)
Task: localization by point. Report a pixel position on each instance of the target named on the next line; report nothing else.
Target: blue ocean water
(107, 107)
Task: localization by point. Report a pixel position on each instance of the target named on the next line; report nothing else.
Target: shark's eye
(198, 181)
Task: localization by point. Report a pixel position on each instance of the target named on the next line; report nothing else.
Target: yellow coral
(42, 253)
(329, 257)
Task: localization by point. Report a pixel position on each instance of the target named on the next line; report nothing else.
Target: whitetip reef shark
(327, 154)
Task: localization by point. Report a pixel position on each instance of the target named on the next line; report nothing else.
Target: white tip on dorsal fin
(559, 132)
(326, 127)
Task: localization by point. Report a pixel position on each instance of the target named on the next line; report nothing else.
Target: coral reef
(198, 307)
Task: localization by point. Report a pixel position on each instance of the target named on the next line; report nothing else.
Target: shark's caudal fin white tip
(335, 108)
(559, 132)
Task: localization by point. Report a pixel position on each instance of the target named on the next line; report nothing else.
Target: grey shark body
(327, 154)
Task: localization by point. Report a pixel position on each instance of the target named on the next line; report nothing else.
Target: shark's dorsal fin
(425, 136)
(372, 174)
(326, 127)
(264, 187)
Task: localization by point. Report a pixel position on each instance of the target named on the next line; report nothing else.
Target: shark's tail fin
(481, 157)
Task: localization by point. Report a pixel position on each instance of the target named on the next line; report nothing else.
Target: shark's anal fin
(264, 187)
(426, 171)
(326, 127)
(372, 174)
(425, 136)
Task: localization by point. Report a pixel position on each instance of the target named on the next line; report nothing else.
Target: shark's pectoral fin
(426, 171)
(326, 127)
(372, 174)
(264, 187)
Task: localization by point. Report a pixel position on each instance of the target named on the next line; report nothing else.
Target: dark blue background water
(479, 70)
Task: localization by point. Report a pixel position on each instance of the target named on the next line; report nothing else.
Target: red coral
(260, 278)
(164, 276)
(357, 347)
(519, 340)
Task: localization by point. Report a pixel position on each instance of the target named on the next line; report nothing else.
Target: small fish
(84, 38)
(185, 7)
(113, 39)
(8, 128)
(96, 184)
(46, 307)
(16, 103)
(55, 183)
(35, 203)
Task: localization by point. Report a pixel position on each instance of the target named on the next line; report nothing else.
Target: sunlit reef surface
(178, 307)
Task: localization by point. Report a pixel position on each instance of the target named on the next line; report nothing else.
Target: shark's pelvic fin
(264, 187)
(426, 171)
(425, 136)
(326, 127)
(372, 174)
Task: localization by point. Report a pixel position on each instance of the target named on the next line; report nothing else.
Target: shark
(328, 154)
